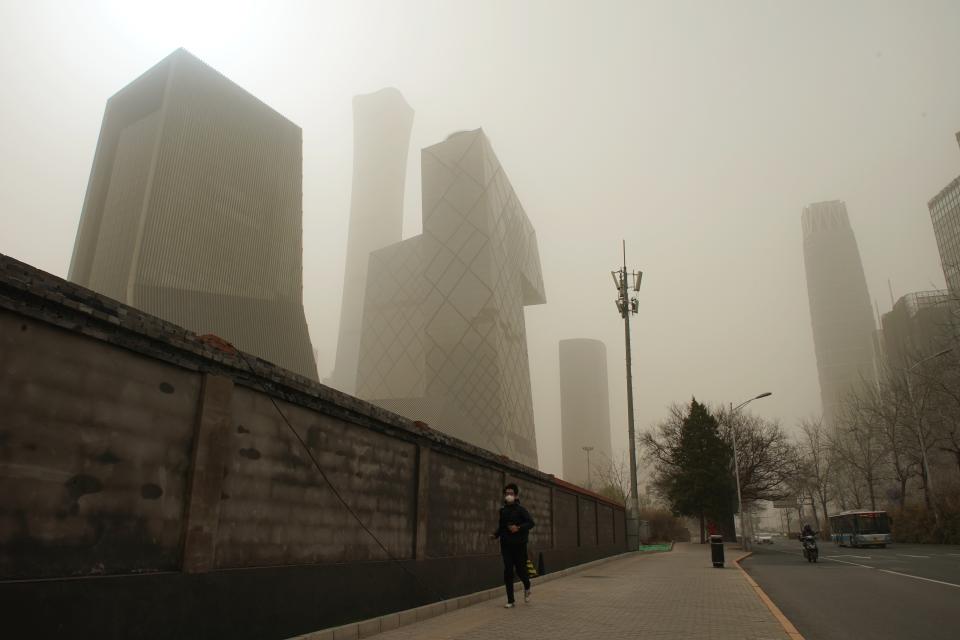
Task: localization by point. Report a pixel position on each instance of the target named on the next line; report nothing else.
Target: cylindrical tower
(381, 140)
(584, 410)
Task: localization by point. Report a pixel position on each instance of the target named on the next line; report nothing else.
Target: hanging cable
(429, 589)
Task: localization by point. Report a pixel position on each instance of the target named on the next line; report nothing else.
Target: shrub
(664, 526)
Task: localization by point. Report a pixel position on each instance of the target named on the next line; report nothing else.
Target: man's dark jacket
(514, 514)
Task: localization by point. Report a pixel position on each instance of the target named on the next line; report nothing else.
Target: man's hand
(513, 528)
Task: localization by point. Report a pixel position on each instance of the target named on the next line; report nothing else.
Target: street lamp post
(923, 446)
(627, 306)
(736, 465)
(589, 481)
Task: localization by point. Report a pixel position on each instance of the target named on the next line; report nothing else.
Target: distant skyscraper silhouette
(381, 139)
(945, 216)
(193, 211)
(840, 312)
(444, 338)
(584, 409)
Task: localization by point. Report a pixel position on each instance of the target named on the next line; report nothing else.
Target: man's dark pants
(514, 557)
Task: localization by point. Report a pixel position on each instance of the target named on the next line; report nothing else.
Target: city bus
(860, 529)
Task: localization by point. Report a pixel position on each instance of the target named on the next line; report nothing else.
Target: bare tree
(888, 406)
(919, 395)
(657, 445)
(766, 459)
(858, 445)
(817, 465)
(849, 488)
(944, 383)
(614, 476)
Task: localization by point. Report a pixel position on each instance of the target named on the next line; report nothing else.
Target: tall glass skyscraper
(945, 215)
(840, 314)
(193, 211)
(444, 338)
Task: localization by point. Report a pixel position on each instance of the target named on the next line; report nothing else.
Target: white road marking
(864, 566)
(907, 555)
(789, 553)
(849, 556)
(845, 562)
(907, 575)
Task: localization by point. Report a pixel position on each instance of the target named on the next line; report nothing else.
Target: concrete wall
(150, 486)
(94, 454)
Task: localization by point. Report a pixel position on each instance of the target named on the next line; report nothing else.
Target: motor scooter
(810, 550)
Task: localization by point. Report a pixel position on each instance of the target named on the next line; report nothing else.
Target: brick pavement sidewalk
(677, 594)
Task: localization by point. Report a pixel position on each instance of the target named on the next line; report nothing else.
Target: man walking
(514, 527)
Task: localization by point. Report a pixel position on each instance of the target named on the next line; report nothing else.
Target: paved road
(903, 591)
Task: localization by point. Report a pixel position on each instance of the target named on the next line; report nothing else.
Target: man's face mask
(509, 498)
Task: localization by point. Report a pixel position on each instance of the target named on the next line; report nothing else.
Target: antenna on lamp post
(627, 306)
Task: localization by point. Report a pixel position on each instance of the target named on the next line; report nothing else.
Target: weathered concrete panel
(464, 501)
(94, 453)
(565, 513)
(422, 526)
(588, 521)
(276, 507)
(535, 498)
(605, 525)
(620, 527)
(212, 447)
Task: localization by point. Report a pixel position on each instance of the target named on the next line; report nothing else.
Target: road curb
(774, 609)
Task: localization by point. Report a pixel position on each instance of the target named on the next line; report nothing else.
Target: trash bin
(716, 550)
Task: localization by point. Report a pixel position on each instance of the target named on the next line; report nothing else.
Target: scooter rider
(808, 542)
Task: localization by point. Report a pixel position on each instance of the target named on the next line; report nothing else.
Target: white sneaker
(526, 596)
(509, 605)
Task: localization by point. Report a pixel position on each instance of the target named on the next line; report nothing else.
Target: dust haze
(695, 131)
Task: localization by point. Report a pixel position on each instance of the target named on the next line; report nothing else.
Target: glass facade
(840, 314)
(444, 338)
(945, 216)
(920, 324)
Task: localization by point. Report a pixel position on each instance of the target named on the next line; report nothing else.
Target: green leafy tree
(693, 465)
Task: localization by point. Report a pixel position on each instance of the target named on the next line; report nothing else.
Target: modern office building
(444, 337)
(381, 139)
(193, 211)
(840, 314)
(945, 215)
(584, 412)
(919, 325)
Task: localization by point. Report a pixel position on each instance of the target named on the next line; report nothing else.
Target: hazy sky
(697, 131)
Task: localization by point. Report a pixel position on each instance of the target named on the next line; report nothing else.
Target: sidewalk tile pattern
(658, 596)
